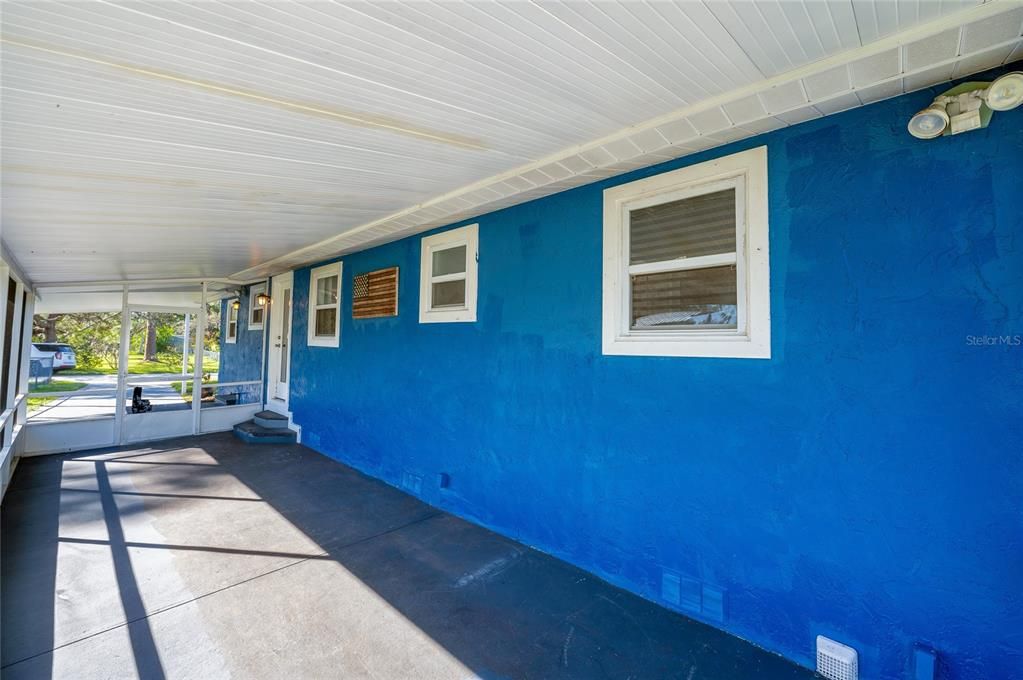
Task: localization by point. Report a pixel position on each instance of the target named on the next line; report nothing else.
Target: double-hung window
(447, 285)
(686, 262)
(325, 306)
(257, 311)
(231, 332)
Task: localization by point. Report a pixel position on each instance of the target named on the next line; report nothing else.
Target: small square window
(686, 267)
(231, 330)
(257, 312)
(325, 306)
(447, 290)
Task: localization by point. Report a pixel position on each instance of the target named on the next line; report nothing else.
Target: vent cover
(375, 294)
(835, 661)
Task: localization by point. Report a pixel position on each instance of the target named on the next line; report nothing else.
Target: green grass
(35, 403)
(137, 365)
(187, 396)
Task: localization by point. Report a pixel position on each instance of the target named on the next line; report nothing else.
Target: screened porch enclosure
(151, 387)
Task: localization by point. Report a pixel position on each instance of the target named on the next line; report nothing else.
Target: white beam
(200, 337)
(122, 366)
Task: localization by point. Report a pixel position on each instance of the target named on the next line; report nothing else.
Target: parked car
(63, 355)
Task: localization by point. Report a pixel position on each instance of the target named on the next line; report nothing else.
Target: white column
(184, 356)
(200, 336)
(122, 366)
(7, 434)
(26, 355)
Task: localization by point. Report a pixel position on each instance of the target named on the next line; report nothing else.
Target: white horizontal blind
(682, 262)
(691, 227)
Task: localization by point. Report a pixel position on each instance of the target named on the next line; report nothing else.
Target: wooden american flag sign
(375, 294)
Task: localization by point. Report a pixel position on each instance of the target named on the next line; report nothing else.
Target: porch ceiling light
(967, 107)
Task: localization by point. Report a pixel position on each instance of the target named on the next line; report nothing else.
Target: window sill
(324, 342)
(716, 346)
(463, 315)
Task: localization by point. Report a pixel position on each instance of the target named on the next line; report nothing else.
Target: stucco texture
(865, 483)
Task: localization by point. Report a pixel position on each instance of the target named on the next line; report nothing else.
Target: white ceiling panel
(177, 138)
(880, 18)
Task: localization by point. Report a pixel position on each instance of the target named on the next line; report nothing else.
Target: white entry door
(279, 364)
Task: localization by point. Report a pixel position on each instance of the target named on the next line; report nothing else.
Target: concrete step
(271, 420)
(252, 433)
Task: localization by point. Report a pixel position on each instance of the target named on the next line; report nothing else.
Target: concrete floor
(205, 558)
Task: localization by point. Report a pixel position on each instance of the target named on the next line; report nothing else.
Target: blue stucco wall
(241, 360)
(865, 483)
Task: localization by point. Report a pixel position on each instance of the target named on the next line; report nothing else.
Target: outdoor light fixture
(1006, 93)
(967, 107)
(235, 304)
(262, 299)
(929, 123)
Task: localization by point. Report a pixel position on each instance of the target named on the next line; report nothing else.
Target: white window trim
(254, 292)
(228, 338)
(313, 340)
(752, 338)
(467, 236)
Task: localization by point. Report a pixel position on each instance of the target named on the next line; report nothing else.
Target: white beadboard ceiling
(172, 139)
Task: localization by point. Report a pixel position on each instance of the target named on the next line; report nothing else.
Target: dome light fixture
(967, 107)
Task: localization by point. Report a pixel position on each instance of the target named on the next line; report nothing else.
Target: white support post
(122, 366)
(7, 433)
(200, 335)
(184, 356)
(26, 354)
(264, 356)
(14, 355)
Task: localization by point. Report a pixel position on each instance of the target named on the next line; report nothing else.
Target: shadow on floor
(370, 561)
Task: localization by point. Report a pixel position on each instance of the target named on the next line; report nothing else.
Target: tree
(94, 336)
(44, 327)
(150, 347)
(212, 340)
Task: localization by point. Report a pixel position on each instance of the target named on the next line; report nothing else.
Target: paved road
(98, 397)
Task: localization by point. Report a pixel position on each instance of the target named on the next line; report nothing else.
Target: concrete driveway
(98, 398)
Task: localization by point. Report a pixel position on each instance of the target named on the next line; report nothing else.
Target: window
(231, 334)
(447, 284)
(325, 306)
(257, 312)
(686, 262)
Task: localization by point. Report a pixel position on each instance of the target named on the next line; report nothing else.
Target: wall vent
(670, 587)
(835, 661)
(684, 593)
(925, 663)
(412, 482)
(713, 602)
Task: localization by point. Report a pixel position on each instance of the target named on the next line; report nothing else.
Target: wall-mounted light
(235, 304)
(967, 107)
(1006, 93)
(262, 299)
